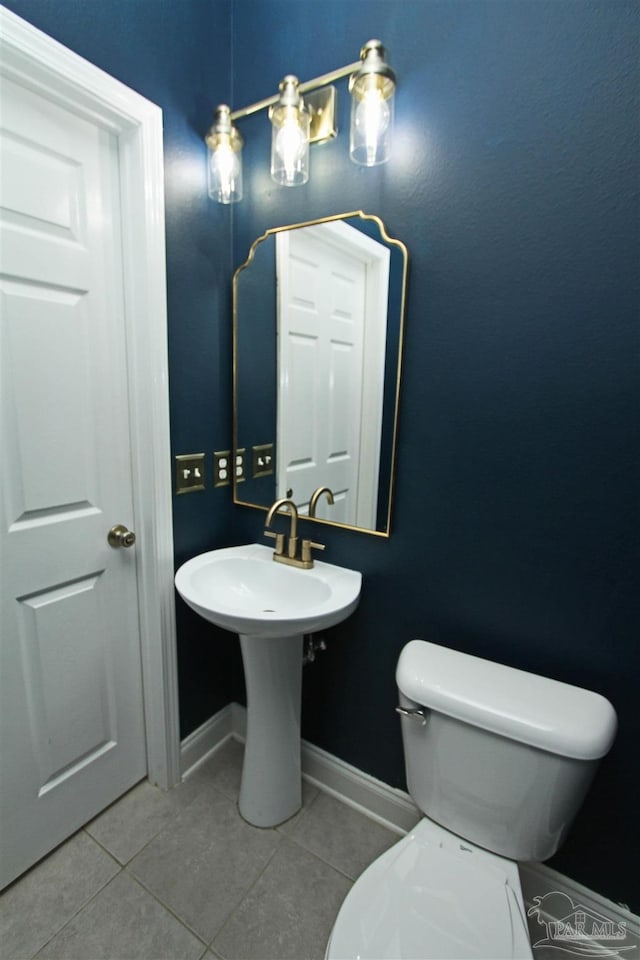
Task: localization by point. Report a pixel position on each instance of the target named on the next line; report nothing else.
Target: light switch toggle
(196, 473)
(262, 460)
(190, 472)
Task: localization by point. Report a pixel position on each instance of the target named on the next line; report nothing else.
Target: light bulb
(372, 117)
(290, 136)
(291, 147)
(225, 168)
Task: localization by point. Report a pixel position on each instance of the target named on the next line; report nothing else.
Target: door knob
(119, 536)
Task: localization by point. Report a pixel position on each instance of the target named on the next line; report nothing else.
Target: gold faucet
(292, 542)
(315, 496)
(287, 549)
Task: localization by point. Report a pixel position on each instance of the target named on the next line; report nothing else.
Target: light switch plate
(262, 460)
(190, 472)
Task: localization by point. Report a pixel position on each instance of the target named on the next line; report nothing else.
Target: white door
(320, 328)
(71, 706)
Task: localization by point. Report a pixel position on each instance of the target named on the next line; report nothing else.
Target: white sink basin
(243, 590)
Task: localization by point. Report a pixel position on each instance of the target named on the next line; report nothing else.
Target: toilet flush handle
(415, 714)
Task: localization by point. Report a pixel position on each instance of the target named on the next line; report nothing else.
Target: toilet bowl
(499, 761)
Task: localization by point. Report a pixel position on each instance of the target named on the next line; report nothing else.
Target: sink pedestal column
(271, 789)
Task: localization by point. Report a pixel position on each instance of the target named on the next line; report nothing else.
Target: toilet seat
(433, 896)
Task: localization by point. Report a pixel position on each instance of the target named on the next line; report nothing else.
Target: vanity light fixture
(298, 120)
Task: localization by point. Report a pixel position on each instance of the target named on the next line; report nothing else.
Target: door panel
(86, 725)
(55, 467)
(321, 296)
(71, 697)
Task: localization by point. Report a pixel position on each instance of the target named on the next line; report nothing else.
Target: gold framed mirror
(318, 329)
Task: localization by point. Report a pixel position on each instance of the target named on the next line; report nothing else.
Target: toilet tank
(505, 757)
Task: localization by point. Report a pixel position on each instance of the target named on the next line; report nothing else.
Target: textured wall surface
(515, 530)
(513, 182)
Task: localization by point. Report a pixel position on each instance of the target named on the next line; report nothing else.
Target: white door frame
(35, 60)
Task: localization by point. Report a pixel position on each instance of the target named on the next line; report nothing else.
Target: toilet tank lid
(522, 706)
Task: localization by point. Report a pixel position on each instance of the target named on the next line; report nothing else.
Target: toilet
(498, 760)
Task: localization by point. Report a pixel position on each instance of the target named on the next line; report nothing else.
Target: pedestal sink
(271, 606)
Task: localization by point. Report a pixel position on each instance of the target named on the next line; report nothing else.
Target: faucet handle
(279, 539)
(307, 547)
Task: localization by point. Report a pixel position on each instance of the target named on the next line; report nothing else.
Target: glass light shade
(289, 136)
(224, 162)
(225, 170)
(371, 119)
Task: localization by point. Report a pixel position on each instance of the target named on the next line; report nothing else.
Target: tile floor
(180, 876)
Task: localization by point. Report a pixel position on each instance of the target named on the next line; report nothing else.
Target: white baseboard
(212, 734)
(390, 807)
(395, 810)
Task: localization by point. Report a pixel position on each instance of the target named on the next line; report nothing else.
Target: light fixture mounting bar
(321, 81)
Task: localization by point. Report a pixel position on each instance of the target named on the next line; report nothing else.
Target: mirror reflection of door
(332, 313)
(317, 359)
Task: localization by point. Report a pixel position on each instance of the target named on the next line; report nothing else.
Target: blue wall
(512, 183)
(515, 532)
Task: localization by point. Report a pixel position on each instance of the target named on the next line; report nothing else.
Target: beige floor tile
(289, 913)
(223, 769)
(123, 921)
(130, 823)
(309, 794)
(37, 905)
(340, 835)
(203, 864)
